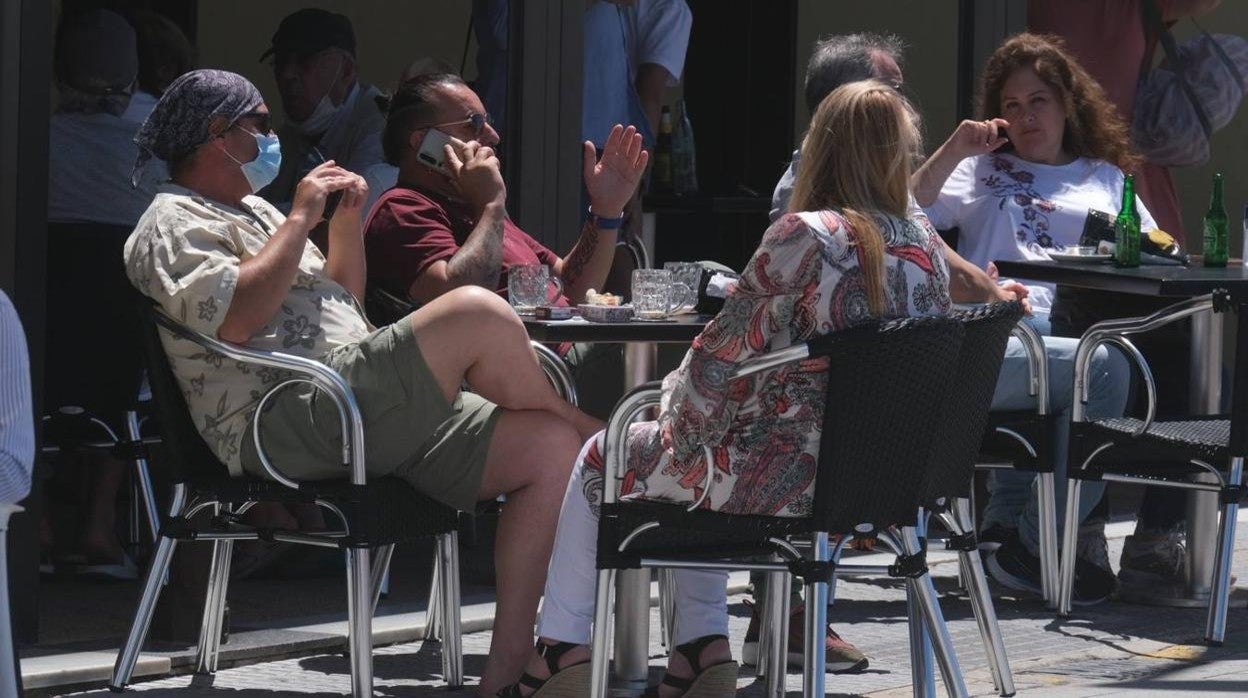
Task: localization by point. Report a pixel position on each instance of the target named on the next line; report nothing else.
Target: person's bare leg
(99, 540)
(472, 334)
(530, 460)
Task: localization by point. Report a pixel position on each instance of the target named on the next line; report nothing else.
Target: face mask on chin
(323, 113)
(261, 171)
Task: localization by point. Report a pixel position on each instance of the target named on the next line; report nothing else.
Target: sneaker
(1015, 567)
(1091, 546)
(994, 536)
(1153, 563)
(839, 656)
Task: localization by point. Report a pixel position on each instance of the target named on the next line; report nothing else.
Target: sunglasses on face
(255, 123)
(475, 120)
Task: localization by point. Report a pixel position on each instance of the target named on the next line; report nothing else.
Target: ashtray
(606, 313)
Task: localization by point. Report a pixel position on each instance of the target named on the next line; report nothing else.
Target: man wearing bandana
(330, 115)
(227, 264)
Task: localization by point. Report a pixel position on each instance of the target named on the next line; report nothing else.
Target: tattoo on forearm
(480, 261)
(575, 264)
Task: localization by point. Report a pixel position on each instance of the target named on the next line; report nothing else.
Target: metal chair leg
(452, 645)
(1070, 536)
(1220, 590)
(773, 637)
(381, 572)
(152, 583)
(667, 609)
(938, 631)
(600, 652)
(433, 615)
(214, 606)
(981, 603)
(1047, 499)
(814, 668)
(360, 621)
(143, 477)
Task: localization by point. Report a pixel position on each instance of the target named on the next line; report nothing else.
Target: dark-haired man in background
(435, 231)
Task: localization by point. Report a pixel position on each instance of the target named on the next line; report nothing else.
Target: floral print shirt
(763, 431)
(185, 253)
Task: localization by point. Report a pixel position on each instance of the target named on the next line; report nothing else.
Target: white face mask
(323, 114)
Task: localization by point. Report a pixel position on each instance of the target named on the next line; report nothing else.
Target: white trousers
(701, 602)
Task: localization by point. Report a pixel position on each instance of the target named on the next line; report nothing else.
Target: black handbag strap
(1153, 21)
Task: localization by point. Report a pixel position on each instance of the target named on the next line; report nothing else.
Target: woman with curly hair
(1019, 182)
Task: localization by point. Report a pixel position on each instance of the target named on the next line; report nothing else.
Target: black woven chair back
(93, 358)
(887, 387)
(986, 330)
(187, 456)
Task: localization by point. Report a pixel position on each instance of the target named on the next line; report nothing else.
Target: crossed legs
(471, 334)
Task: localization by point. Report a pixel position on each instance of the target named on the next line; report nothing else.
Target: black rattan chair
(1200, 453)
(871, 478)
(377, 512)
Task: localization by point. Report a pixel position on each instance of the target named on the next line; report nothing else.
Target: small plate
(606, 313)
(1080, 254)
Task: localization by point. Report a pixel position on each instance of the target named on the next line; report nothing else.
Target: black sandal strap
(551, 654)
(693, 652)
(678, 683)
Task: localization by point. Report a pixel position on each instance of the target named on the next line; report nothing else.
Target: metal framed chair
(1200, 453)
(1021, 440)
(869, 479)
(377, 513)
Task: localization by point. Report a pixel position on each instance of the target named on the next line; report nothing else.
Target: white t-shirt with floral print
(1008, 208)
(185, 253)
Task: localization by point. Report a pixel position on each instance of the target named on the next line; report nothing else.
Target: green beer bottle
(1215, 225)
(1127, 228)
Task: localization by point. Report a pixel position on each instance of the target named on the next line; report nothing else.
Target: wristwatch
(605, 223)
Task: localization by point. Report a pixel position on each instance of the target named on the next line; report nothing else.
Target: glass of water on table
(656, 294)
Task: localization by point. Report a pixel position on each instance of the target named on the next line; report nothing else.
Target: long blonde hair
(857, 158)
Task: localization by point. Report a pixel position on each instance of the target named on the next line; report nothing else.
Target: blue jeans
(1012, 502)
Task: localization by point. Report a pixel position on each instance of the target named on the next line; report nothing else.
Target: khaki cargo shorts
(410, 430)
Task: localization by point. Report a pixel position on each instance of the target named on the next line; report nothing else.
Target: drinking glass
(656, 295)
(689, 274)
(527, 286)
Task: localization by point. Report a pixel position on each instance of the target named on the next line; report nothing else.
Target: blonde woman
(846, 254)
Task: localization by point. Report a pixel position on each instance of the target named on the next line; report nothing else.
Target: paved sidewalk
(1112, 649)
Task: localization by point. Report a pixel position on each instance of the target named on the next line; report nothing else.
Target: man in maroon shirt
(435, 231)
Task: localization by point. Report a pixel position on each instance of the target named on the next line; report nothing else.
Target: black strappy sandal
(568, 682)
(715, 681)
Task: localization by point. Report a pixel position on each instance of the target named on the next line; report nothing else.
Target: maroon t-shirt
(409, 229)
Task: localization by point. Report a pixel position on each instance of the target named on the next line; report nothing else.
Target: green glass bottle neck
(1215, 201)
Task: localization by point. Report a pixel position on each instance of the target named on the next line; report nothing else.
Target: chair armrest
(1116, 332)
(633, 403)
(1037, 364)
(557, 372)
(307, 370)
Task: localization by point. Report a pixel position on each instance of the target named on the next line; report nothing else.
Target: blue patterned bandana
(179, 122)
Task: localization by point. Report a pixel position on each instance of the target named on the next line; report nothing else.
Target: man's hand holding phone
(475, 173)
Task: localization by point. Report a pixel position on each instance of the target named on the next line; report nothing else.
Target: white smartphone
(432, 154)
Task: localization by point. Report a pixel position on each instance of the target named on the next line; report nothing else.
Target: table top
(680, 329)
(1157, 280)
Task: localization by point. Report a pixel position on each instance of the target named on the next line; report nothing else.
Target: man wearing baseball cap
(329, 114)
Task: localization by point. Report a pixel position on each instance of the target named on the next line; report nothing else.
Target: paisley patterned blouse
(803, 281)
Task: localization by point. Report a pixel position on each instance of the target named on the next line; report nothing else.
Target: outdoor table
(1205, 368)
(640, 339)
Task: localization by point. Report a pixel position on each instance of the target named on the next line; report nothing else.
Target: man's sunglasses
(477, 121)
